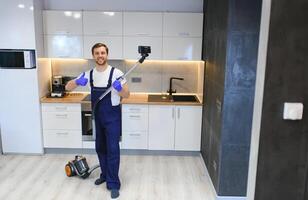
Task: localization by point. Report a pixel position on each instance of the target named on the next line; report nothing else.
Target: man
(107, 114)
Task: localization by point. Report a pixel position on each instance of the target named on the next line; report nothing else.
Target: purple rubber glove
(82, 81)
(117, 85)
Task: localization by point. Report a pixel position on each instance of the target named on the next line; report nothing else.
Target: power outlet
(136, 79)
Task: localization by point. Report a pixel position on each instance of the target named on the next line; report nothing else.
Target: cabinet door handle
(134, 134)
(183, 34)
(61, 115)
(104, 32)
(134, 116)
(142, 34)
(88, 115)
(179, 113)
(134, 109)
(61, 108)
(62, 133)
(62, 32)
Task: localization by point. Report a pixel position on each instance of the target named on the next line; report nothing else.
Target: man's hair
(97, 45)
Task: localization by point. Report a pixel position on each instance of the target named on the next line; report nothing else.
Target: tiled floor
(143, 178)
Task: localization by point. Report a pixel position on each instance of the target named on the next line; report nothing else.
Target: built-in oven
(87, 132)
(86, 116)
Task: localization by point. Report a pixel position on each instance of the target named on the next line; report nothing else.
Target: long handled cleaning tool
(79, 165)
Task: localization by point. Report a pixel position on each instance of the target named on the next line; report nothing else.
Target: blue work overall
(108, 130)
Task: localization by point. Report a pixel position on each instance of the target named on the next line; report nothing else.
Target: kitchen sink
(171, 98)
(159, 98)
(184, 98)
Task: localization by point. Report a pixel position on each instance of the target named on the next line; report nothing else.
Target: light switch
(293, 111)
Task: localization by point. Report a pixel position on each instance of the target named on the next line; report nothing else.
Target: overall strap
(91, 78)
(110, 77)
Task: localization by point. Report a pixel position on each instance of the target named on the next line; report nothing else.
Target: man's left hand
(117, 85)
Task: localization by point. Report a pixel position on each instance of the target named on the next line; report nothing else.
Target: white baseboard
(214, 191)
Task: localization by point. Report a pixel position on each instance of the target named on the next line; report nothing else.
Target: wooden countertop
(135, 98)
(72, 97)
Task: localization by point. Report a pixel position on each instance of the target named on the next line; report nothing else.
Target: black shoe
(99, 181)
(115, 193)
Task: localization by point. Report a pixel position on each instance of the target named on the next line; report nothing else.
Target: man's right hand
(81, 81)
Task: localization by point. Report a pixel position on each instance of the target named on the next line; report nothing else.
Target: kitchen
(194, 143)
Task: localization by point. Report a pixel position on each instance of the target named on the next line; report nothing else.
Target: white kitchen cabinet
(188, 128)
(130, 47)
(134, 126)
(103, 23)
(62, 22)
(62, 125)
(63, 46)
(142, 24)
(183, 24)
(103, 27)
(182, 36)
(114, 44)
(182, 48)
(174, 127)
(62, 139)
(161, 127)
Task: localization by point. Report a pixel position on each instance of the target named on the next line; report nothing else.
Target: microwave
(17, 58)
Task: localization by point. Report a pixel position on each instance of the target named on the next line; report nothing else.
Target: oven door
(87, 129)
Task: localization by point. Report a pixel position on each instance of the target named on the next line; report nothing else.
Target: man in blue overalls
(107, 114)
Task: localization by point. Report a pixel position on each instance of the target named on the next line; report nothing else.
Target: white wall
(17, 25)
(126, 5)
(38, 22)
(257, 113)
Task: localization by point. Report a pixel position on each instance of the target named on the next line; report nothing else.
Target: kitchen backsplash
(151, 76)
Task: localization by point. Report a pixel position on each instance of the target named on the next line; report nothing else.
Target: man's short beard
(105, 61)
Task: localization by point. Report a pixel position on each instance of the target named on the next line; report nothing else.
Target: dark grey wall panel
(232, 33)
(283, 150)
(215, 54)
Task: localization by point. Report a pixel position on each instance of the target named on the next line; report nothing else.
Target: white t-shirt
(100, 79)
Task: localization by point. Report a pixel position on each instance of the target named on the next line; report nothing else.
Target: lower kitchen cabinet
(134, 126)
(61, 125)
(161, 127)
(188, 128)
(175, 127)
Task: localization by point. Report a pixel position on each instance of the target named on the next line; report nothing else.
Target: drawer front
(61, 107)
(134, 121)
(134, 140)
(62, 139)
(62, 120)
(135, 108)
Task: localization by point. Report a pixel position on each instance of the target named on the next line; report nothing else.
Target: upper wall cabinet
(62, 22)
(114, 44)
(63, 46)
(103, 27)
(103, 23)
(182, 36)
(183, 24)
(130, 47)
(142, 24)
(182, 48)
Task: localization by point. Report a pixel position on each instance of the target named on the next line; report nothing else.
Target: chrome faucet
(170, 91)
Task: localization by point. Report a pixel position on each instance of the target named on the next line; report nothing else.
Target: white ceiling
(126, 5)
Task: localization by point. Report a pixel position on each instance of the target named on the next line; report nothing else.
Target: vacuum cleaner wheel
(69, 170)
